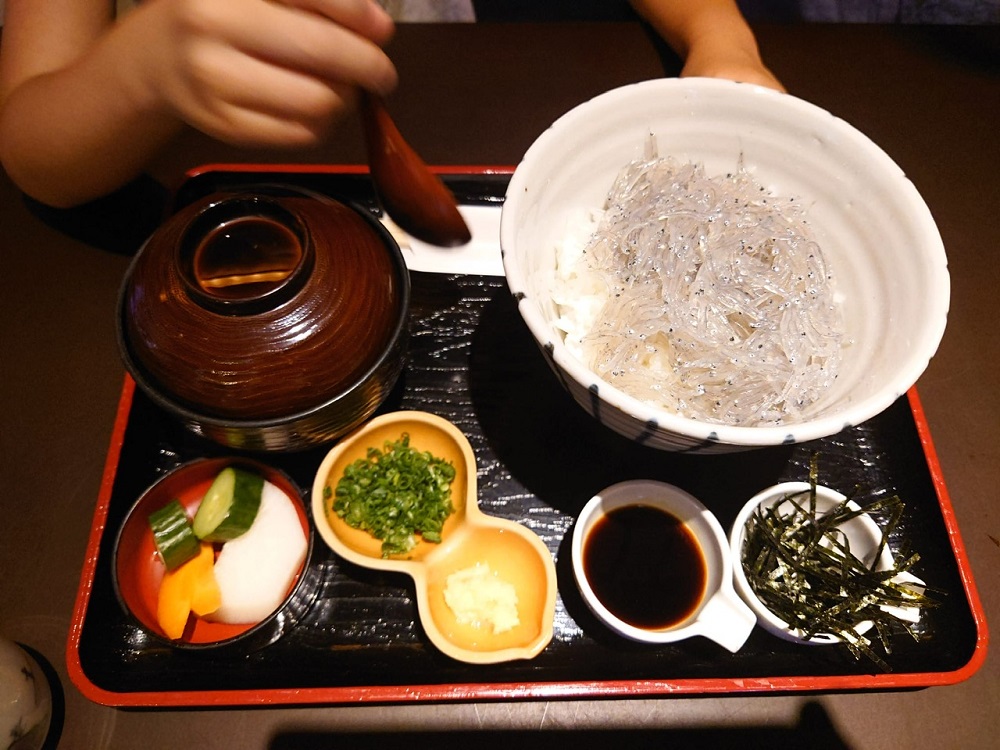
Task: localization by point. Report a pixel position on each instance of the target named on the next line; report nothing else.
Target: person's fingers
(364, 17)
(300, 38)
(247, 102)
(255, 72)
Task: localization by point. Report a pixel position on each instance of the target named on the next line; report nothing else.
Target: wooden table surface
(478, 95)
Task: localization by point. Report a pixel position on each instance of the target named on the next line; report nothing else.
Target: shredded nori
(800, 565)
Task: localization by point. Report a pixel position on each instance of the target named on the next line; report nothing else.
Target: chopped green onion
(395, 493)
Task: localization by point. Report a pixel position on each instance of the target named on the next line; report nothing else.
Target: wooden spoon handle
(416, 198)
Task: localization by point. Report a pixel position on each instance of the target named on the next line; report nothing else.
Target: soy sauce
(645, 566)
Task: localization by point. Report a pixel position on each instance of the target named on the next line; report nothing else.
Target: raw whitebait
(704, 295)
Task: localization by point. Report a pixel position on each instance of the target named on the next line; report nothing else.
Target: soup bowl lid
(260, 304)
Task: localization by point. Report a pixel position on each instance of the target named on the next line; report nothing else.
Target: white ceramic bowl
(25, 699)
(875, 231)
(862, 533)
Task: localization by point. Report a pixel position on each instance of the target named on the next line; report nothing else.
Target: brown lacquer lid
(255, 306)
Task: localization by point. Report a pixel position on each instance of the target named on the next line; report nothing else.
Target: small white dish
(717, 612)
(480, 256)
(862, 533)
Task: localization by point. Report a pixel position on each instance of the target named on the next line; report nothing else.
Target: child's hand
(712, 38)
(745, 73)
(733, 58)
(258, 73)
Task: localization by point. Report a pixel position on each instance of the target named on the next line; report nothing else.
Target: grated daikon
(255, 570)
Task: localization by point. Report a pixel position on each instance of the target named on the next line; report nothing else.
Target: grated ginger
(478, 597)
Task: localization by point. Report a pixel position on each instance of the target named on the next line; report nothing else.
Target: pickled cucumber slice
(173, 536)
(230, 505)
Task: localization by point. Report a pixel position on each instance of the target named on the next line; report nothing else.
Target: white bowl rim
(661, 419)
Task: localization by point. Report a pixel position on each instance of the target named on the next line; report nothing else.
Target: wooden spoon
(415, 198)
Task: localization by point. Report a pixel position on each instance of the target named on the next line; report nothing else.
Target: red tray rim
(482, 691)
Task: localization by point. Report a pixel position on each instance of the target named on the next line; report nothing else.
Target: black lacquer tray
(540, 458)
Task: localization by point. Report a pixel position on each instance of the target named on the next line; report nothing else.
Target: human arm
(87, 102)
(711, 37)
